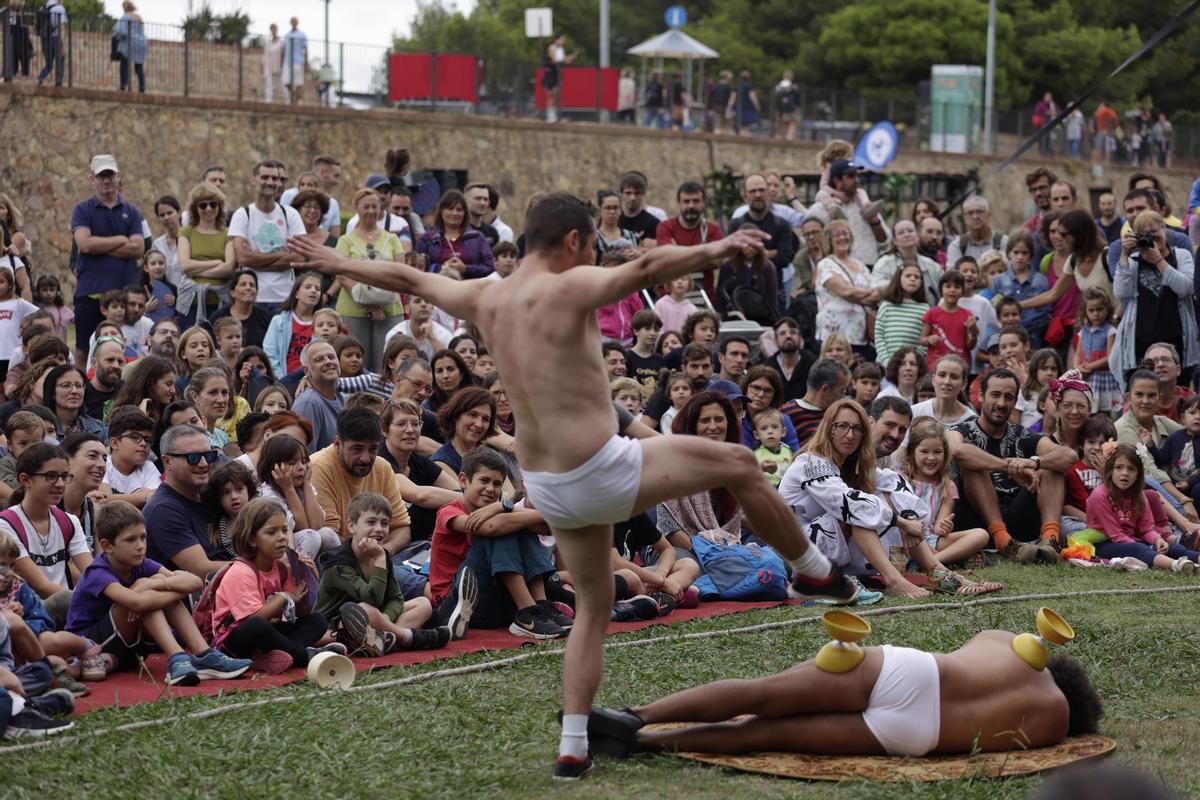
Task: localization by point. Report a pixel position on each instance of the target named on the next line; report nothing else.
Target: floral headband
(1071, 380)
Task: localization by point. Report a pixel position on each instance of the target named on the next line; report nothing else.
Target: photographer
(1154, 284)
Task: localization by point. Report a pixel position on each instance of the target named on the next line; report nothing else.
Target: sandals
(95, 667)
(947, 582)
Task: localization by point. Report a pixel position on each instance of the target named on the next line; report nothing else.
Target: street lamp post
(604, 55)
(989, 80)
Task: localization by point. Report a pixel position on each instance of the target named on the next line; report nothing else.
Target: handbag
(367, 295)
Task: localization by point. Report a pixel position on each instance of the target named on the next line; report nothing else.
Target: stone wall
(47, 137)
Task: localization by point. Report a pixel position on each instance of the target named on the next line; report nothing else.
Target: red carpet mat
(129, 688)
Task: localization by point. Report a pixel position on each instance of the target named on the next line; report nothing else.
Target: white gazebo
(674, 44)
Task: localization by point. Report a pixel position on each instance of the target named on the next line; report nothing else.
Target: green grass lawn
(493, 733)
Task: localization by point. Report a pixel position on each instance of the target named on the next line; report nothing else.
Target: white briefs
(600, 491)
(905, 709)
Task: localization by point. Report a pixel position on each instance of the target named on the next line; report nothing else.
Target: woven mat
(894, 769)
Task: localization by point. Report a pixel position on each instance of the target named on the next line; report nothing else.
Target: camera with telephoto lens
(1145, 241)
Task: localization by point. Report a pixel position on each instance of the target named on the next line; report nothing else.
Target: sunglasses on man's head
(193, 459)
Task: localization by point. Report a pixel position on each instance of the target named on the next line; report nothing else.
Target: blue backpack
(739, 572)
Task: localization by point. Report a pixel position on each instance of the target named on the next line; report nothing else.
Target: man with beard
(932, 235)
(177, 523)
(109, 358)
(690, 227)
(1010, 479)
(162, 342)
(697, 362)
(1165, 359)
(862, 215)
(890, 418)
(781, 247)
(320, 402)
(136, 327)
(792, 361)
(351, 466)
(478, 197)
(260, 232)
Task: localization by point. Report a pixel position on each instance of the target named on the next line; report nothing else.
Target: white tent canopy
(673, 44)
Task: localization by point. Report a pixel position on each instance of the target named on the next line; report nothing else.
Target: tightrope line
(541, 652)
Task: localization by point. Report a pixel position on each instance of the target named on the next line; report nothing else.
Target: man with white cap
(108, 235)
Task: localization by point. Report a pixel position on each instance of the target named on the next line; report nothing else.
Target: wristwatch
(507, 504)
(1037, 461)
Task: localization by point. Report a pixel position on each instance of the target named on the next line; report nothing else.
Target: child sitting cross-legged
(359, 596)
(261, 607)
(23, 610)
(1132, 518)
(125, 601)
(487, 534)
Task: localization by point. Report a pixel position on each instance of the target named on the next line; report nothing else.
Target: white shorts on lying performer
(600, 491)
(905, 709)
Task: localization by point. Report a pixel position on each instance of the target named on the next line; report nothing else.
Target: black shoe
(569, 768)
(30, 723)
(54, 703)
(428, 639)
(635, 609)
(613, 732)
(533, 623)
(555, 615)
(836, 587)
(336, 647)
(666, 603)
(556, 592)
(455, 610)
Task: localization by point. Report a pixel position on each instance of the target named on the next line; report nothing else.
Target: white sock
(574, 740)
(812, 563)
(405, 638)
(18, 705)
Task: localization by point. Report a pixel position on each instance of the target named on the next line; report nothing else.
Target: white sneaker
(1127, 563)
(1184, 566)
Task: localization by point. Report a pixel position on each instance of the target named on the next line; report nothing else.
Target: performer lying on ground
(898, 701)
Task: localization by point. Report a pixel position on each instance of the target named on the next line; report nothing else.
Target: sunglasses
(204, 205)
(193, 459)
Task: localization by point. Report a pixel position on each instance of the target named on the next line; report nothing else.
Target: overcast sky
(353, 21)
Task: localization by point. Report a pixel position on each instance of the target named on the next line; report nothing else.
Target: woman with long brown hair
(831, 487)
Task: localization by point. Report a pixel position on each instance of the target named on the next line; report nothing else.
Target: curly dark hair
(1084, 703)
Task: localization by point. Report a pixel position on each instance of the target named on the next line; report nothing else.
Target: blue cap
(727, 388)
(375, 180)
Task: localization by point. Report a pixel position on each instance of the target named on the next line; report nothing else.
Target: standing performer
(540, 325)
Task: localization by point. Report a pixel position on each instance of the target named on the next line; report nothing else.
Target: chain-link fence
(88, 55)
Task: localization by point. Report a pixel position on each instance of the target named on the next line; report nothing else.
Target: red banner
(411, 76)
(579, 88)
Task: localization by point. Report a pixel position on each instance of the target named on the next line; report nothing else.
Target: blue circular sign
(676, 17)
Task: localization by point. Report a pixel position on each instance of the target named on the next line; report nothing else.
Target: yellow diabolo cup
(1034, 649)
(842, 654)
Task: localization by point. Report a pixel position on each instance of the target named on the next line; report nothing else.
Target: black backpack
(44, 22)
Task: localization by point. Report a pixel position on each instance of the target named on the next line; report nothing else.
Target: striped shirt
(896, 326)
(804, 418)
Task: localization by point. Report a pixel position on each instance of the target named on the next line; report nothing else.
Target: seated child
(230, 488)
(285, 477)
(261, 608)
(628, 394)
(864, 383)
(679, 391)
(24, 611)
(22, 429)
(1087, 474)
(125, 600)
(1180, 453)
(645, 561)
(927, 465)
(1123, 510)
(773, 455)
(359, 596)
(488, 535)
(130, 474)
(27, 703)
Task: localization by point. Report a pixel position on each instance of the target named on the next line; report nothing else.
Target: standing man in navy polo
(108, 235)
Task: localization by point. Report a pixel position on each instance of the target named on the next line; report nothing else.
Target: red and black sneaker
(570, 768)
(835, 586)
